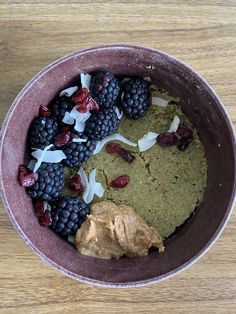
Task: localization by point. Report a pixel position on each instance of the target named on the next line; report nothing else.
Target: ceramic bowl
(200, 104)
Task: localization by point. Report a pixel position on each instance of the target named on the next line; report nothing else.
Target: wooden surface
(33, 34)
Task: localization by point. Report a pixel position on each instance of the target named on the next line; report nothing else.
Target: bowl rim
(173, 272)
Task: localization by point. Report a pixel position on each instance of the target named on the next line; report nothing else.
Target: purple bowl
(201, 105)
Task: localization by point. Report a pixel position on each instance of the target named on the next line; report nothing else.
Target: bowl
(205, 110)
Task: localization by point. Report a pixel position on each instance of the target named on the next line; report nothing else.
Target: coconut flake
(118, 112)
(91, 187)
(68, 119)
(79, 140)
(85, 80)
(147, 141)
(39, 155)
(113, 137)
(71, 239)
(99, 189)
(68, 92)
(78, 117)
(47, 156)
(84, 181)
(157, 101)
(174, 124)
(31, 164)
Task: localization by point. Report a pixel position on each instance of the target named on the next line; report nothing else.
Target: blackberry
(68, 214)
(50, 182)
(101, 124)
(77, 153)
(135, 99)
(104, 88)
(42, 132)
(59, 108)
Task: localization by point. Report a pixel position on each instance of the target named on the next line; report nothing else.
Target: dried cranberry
(45, 220)
(120, 182)
(26, 177)
(44, 111)
(166, 139)
(184, 132)
(62, 138)
(84, 101)
(183, 143)
(75, 183)
(112, 148)
(126, 155)
(39, 208)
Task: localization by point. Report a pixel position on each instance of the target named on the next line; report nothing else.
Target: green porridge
(165, 184)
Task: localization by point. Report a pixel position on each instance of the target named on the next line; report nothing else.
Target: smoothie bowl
(127, 157)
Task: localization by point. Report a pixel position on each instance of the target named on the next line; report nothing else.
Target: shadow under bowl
(200, 104)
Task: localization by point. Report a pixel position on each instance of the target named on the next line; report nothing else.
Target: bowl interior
(201, 106)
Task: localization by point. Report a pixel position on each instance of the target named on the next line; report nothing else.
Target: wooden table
(33, 34)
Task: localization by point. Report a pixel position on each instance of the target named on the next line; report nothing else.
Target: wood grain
(33, 34)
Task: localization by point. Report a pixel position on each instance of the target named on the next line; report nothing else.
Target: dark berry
(104, 88)
(68, 214)
(50, 182)
(26, 177)
(101, 124)
(183, 143)
(77, 153)
(59, 108)
(135, 98)
(42, 132)
(166, 139)
(120, 182)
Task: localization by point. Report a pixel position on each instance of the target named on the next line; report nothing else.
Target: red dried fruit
(126, 155)
(84, 101)
(120, 182)
(75, 183)
(184, 132)
(39, 208)
(62, 139)
(114, 148)
(166, 139)
(26, 177)
(44, 111)
(46, 219)
(183, 143)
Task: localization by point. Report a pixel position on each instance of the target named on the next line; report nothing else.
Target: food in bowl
(123, 141)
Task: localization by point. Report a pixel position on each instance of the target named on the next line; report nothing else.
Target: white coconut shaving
(85, 80)
(157, 101)
(68, 92)
(91, 186)
(79, 140)
(113, 137)
(31, 164)
(147, 141)
(44, 155)
(174, 124)
(78, 117)
(119, 112)
(71, 239)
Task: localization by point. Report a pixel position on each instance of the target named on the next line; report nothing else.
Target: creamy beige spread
(112, 231)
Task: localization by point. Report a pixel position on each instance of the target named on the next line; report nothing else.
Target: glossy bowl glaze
(203, 108)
